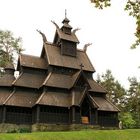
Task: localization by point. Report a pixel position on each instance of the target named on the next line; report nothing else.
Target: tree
(133, 102)
(10, 47)
(133, 7)
(128, 101)
(127, 120)
(116, 93)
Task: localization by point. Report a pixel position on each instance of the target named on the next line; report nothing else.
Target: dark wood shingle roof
(95, 87)
(72, 37)
(22, 99)
(61, 99)
(4, 94)
(7, 80)
(59, 80)
(29, 80)
(54, 99)
(32, 61)
(55, 58)
(104, 105)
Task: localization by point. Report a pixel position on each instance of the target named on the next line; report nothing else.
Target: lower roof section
(62, 99)
(29, 80)
(4, 94)
(30, 98)
(54, 99)
(59, 81)
(103, 104)
(22, 99)
(7, 80)
(95, 87)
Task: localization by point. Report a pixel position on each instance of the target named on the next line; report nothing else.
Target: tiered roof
(55, 58)
(41, 76)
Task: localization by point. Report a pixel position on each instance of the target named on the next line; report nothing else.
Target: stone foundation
(49, 127)
(60, 127)
(14, 128)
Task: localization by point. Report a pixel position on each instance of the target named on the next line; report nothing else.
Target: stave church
(55, 90)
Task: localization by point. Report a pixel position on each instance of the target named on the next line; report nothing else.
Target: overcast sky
(111, 31)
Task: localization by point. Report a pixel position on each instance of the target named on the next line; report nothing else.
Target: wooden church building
(56, 88)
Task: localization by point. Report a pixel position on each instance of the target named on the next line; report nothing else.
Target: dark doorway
(85, 112)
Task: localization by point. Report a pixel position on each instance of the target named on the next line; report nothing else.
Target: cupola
(66, 39)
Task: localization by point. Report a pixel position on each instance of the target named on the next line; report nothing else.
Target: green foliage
(115, 90)
(101, 3)
(133, 101)
(128, 101)
(133, 7)
(127, 120)
(24, 130)
(19, 130)
(9, 47)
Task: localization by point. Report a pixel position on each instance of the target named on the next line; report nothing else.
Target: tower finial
(65, 13)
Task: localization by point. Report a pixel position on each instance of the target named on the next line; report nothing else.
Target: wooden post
(96, 116)
(73, 114)
(90, 117)
(69, 115)
(4, 115)
(38, 114)
(80, 115)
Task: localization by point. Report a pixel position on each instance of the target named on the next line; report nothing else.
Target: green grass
(132, 134)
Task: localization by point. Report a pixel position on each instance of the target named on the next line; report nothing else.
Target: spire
(66, 28)
(66, 20)
(65, 13)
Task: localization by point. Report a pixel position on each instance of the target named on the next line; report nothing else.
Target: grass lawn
(132, 134)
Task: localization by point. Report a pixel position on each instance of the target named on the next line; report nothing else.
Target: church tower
(66, 39)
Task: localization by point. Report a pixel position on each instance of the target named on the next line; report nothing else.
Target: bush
(127, 120)
(19, 130)
(24, 130)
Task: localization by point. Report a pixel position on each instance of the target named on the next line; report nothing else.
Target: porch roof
(104, 105)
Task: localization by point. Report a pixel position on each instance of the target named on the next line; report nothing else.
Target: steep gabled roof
(55, 58)
(77, 96)
(32, 61)
(78, 77)
(72, 37)
(29, 80)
